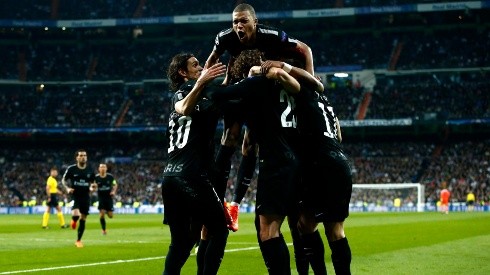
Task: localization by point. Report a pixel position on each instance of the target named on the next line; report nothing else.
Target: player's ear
(182, 72)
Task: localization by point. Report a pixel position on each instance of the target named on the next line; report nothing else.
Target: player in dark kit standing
(274, 43)
(106, 190)
(273, 122)
(82, 180)
(189, 198)
(327, 177)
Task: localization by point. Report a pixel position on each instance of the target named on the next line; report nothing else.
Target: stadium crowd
(437, 95)
(101, 9)
(462, 165)
(121, 58)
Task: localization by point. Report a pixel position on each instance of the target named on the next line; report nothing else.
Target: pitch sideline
(114, 262)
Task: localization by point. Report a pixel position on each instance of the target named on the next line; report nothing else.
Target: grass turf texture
(381, 243)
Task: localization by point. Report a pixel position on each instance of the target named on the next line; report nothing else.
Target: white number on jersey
(285, 121)
(331, 133)
(179, 136)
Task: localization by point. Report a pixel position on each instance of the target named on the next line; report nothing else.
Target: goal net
(384, 197)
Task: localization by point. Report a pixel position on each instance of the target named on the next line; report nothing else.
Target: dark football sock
(276, 256)
(223, 164)
(245, 173)
(302, 264)
(315, 252)
(81, 229)
(341, 256)
(102, 223)
(201, 252)
(215, 251)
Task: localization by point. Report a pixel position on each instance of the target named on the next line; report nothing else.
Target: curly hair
(246, 60)
(178, 62)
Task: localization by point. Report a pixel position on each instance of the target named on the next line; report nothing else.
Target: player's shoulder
(187, 86)
(226, 32)
(269, 30)
(71, 167)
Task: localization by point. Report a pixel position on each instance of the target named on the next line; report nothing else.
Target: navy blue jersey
(273, 42)
(191, 138)
(274, 124)
(80, 180)
(326, 172)
(105, 184)
(316, 121)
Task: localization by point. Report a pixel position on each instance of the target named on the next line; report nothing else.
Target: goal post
(396, 186)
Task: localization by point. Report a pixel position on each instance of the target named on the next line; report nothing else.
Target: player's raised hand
(211, 73)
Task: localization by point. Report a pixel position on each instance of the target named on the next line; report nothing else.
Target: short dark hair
(245, 7)
(79, 151)
(178, 62)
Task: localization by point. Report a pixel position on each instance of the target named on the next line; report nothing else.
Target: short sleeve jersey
(274, 42)
(53, 185)
(80, 180)
(105, 184)
(191, 137)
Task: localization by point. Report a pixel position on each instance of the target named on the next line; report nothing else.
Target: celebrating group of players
(304, 175)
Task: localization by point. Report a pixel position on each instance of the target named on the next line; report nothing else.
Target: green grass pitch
(381, 243)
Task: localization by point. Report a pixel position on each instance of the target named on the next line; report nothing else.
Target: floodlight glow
(341, 74)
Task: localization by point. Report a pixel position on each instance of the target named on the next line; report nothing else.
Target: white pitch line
(114, 262)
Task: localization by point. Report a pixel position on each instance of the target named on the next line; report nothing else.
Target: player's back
(274, 122)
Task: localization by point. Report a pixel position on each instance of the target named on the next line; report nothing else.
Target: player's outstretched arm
(306, 51)
(290, 84)
(212, 59)
(298, 73)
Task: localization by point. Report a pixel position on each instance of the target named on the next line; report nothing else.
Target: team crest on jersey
(180, 96)
(284, 36)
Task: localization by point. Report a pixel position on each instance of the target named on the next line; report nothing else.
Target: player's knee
(334, 231)
(307, 227)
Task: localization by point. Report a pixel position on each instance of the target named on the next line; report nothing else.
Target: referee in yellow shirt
(52, 192)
